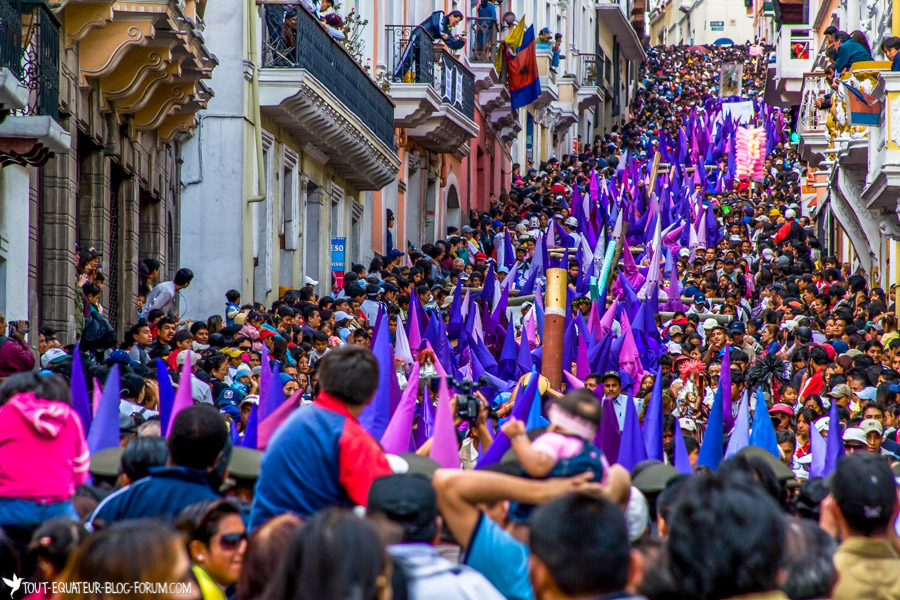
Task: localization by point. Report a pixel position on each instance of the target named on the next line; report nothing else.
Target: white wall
(14, 207)
(212, 205)
(737, 23)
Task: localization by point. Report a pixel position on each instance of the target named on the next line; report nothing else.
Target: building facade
(852, 178)
(286, 157)
(90, 152)
(689, 22)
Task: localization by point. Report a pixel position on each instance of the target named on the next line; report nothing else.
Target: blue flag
(105, 428)
(653, 421)
(834, 448)
(763, 433)
(80, 400)
(711, 449)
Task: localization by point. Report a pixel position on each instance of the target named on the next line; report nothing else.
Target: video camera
(466, 402)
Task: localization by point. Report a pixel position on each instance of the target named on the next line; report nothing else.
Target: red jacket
(15, 357)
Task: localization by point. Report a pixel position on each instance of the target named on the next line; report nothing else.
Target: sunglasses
(231, 541)
(245, 348)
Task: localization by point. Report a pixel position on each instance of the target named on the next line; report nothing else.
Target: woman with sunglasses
(216, 541)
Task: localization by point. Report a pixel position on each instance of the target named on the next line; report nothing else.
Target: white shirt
(161, 297)
(620, 406)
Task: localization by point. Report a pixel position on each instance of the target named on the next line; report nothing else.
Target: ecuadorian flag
(522, 71)
(865, 109)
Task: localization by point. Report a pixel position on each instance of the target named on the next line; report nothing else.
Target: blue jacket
(895, 64)
(162, 495)
(320, 457)
(850, 52)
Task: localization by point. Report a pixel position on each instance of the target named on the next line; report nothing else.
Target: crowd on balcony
(724, 377)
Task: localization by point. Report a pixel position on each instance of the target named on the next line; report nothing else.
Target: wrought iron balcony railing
(457, 85)
(295, 39)
(590, 70)
(11, 36)
(414, 58)
(40, 60)
(482, 42)
(410, 53)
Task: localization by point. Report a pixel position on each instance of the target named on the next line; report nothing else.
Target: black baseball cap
(863, 487)
(403, 497)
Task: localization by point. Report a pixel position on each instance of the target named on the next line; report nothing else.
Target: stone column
(57, 243)
(129, 254)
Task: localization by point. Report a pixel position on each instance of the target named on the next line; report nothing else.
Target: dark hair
(198, 437)
(841, 36)
(808, 564)
(581, 403)
(53, 541)
(333, 370)
(232, 295)
(142, 453)
(265, 548)
(318, 565)
(124, 552)
(90, 289)
(48, 387)
(200, 521)
(583, 541)
(183, 276)
(745, 554)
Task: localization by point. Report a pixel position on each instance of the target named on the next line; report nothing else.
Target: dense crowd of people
(726, 427)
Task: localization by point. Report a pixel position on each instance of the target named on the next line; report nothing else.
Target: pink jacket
(43, 453)
(251, 333)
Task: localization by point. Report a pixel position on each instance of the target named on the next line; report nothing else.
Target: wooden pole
(554, 326)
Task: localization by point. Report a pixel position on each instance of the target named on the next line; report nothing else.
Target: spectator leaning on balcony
(848, 52)
(891, 48)
(440, 27)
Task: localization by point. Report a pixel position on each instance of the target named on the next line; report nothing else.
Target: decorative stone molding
(312, 114)
(81, 17)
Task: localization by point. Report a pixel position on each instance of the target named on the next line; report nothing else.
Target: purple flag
(184, 396)
(166, 395)
(584, 368)
(506, 365)
(266, 427)
(273, 397)
(631, 447)
(653, 421)
(681, 459)
(609, 438)
(524, 362)
(521, 410)
(444, 444)
(105, 429)
(425, 428)
(456, 319)
(725, 386)
(573, 382)
(251, 434)
(740, 435)
(818, 448)
(398, 435)
(80, 401)
(414, 334)
(376, 415)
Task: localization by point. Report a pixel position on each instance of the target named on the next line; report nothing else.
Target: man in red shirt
(321, 456)
(818, 358)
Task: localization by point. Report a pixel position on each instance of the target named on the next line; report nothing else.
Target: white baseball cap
(571, 222)
(51, 356)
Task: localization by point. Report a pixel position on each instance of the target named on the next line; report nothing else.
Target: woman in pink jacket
(43, 453)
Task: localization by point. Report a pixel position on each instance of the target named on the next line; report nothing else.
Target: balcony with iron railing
(31, 134)
(590, 77)
(13, 95)
(433, 92)
(310, 84)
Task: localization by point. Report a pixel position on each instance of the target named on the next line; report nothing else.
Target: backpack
(98, 334)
